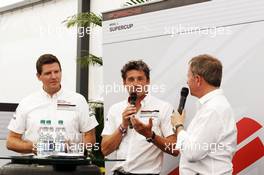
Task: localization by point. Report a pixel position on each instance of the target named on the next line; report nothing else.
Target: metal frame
(8, 107)
(82, 79)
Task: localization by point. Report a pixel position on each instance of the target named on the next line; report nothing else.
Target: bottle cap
(48, 122)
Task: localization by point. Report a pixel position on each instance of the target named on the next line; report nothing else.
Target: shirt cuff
(180, 139)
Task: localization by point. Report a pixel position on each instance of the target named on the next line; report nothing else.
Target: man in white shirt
(141, 146)
(208, 144)
(53, 103)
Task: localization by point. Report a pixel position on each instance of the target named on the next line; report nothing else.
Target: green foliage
(90, 59)
(98, 110)
(83, 20)
(95, 104)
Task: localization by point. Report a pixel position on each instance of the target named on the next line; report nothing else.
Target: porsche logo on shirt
(64, 105)
(149, 113)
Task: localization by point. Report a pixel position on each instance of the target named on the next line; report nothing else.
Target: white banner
(166, 40)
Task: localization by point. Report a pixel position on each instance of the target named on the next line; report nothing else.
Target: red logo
(248, 154)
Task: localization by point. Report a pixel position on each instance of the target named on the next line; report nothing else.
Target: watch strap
(152, 138)
(122, 130)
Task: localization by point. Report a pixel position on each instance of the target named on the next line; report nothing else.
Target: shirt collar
(210, 95)
(56, 95)
(145, 101)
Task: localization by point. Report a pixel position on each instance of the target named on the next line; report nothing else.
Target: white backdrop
(167, 39)
(28, 33)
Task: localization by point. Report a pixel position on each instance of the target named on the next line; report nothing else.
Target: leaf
(83, 20)
(95, 104)
(90, 59)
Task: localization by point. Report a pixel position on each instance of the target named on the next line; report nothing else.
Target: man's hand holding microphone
(129, 119)
(178, 117)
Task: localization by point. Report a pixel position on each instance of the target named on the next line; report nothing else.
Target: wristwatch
(152, 138)
(176, 127)
(122, 130)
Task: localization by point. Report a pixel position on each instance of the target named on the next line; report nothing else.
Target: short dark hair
(46, 59)
(138, 65)
(207, 66)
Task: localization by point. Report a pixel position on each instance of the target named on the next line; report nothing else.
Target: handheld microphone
(184, 94)
(133, 99)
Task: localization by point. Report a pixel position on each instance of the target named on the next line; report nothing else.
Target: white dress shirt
(208, 145)
(68, 106)
(141, 156)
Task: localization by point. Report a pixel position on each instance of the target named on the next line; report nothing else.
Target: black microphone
(184, 94)
(133, 98)
(132, 101)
